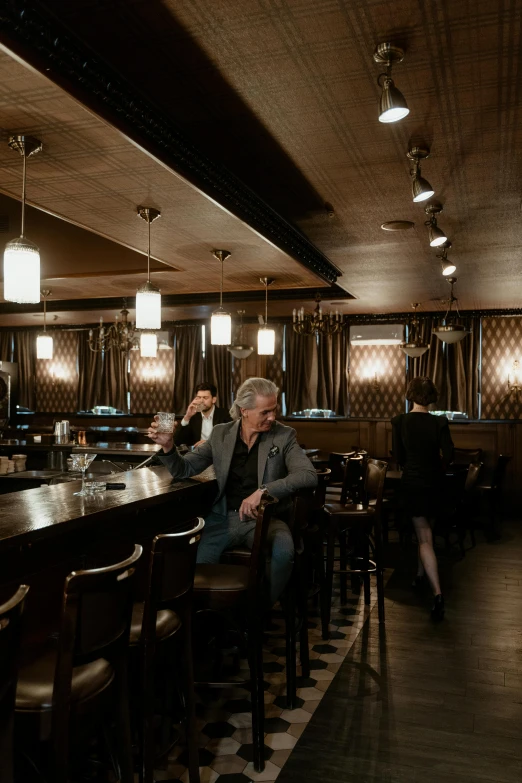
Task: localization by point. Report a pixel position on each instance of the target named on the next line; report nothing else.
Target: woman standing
(421, 442)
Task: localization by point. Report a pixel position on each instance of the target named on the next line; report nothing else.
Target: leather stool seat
(34, 692)
(167, 623)
(349, 510)
(238, 556)
(221, 577)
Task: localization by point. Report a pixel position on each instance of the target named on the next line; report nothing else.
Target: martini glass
(82, 462)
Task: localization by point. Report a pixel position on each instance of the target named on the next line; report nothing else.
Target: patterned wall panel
(501, 346)
(57, 378)
(389, 362)
(152, 382)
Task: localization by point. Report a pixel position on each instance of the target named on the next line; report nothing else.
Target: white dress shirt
(207, 423)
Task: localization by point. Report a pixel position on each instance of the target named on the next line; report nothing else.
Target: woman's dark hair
(422, 390)
(207, 387)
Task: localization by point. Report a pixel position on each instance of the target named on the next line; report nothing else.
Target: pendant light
(420, 188)
(148, 345)
(221, 321)
(451, 331)
(148, 297)
(448, 267)
(414, 347)
(44, 341)
(238, 350)
(392, 104)
(21, 256)
(266, 336)
(436, 236)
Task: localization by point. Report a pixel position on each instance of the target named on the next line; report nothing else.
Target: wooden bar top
(36, 515)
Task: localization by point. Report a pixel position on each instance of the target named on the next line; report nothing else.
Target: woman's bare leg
(426, 552)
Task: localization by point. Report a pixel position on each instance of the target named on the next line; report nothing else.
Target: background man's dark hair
(204, 386)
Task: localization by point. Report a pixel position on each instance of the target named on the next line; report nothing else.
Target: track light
(436, 236)
(392, 105)
(448, 267)
(420, 188)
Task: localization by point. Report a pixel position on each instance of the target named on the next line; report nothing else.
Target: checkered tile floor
(225, 720)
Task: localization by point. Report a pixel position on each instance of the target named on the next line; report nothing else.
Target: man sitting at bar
(251, 454)
(201, 416)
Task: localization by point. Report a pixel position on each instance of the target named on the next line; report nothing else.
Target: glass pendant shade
(421, 189)
(451, 334)
(148, 307)
(240, 351)
(44, 346)
(266, 342)
(448, 267)
(221, 328)
(148, 345)
(414, 350)
(437, 237)
(21, 271)
(392, 106)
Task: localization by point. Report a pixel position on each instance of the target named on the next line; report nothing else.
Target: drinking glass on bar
(166, 421)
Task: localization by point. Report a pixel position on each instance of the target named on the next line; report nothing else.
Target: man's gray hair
(248, 392)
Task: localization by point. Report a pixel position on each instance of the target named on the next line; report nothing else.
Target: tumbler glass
(166, 421)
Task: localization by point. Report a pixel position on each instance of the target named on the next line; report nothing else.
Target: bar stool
(165, 614)
(10, 614)
(238, 593)
(363, 522)
(89, 659)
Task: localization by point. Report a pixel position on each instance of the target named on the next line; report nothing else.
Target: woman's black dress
(421, 442)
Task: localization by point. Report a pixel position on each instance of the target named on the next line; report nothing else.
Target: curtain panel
(188, 365)
(454, 369)
(333, 375)
(115, 380)
(25, 356)
(6, 346)
(89, 374)
(218, 370)
(301, 372)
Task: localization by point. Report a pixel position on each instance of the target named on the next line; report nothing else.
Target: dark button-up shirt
(242, 476)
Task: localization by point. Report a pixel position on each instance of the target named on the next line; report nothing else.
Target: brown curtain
(218, 370)
(89, 374)
(114, 385)
(454, 369)
(6, 346)
(301, 372)
(332, 385)
(188, 364)
(274, 364)
(25, 356)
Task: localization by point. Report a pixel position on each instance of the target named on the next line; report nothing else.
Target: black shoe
(437, 612)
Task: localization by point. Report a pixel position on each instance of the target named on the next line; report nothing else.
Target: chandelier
(451, 331)
(415, 347)
(119, 335)
(317, 322)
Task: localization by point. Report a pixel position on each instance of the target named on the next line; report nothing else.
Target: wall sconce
(151, 374)
(513, 381)
(372, 375)
(58, 374)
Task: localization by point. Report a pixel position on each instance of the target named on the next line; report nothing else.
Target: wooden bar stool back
(167, 613)
(86, 666)
(10, 615)
(238, 593)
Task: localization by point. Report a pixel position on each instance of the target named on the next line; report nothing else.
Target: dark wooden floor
(423, 702)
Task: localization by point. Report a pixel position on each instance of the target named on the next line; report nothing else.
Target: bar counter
(42, 527)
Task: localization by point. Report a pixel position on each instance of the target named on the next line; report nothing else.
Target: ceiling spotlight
(420, 188)
(392, 105)
(448, 267)
(437, 237)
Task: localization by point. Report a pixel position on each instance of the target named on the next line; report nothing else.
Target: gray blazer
(282, 465)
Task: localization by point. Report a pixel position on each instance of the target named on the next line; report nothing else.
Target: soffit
(89, 174)
(290, 91)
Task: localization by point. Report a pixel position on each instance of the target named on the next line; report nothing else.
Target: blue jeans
(221, 533)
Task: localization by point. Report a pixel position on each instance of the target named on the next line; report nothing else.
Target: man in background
(201, 416)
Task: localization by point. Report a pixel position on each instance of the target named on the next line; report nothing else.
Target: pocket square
(273, 451)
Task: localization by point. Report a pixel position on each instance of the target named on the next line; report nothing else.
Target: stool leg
(380, 570)
(123, 731)
(366, 564)
(291, 641)
(330, 555)
(190, 703)
(343, 565)
(258, 695)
